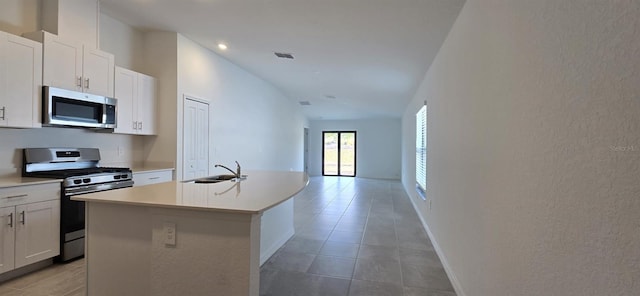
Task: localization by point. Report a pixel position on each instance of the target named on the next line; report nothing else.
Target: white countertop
(260, 191)
(13, 181)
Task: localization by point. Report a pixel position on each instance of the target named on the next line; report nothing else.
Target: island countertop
(260, 191)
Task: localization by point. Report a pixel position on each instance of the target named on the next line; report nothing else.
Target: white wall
(250, 120)
(162, 46)
(377, 146)
(534, 148)
(123, 41)
(20, 16)
(13, 140)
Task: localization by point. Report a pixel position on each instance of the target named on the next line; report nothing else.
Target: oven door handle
(97, 188)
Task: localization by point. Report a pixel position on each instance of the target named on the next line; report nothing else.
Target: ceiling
(353, 58)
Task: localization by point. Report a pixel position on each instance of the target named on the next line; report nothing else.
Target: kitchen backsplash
(114, 148)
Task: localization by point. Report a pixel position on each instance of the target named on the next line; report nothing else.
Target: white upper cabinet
(136, 95)
(97, 72)
(126, 90)
(20, 81)
(146, 105)
(74, 66)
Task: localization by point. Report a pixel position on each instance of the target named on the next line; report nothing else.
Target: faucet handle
(238, 173)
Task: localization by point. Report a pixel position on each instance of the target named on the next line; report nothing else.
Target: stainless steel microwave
(71, 108)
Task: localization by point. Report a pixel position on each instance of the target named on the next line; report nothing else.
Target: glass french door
(339, 153)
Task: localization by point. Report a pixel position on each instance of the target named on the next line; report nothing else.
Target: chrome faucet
(236, 173)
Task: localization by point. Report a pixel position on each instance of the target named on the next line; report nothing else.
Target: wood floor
(58, 279)
(353, 237)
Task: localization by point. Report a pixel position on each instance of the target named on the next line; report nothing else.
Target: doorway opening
(339, 153)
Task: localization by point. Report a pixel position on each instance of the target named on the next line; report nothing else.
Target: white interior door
(195, 140)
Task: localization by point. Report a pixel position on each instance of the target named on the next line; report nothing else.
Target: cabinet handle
(86, 83)
(10, 220)
(79, 82)
(3, 109)
(135, 125)
(16, 196)
(23, 218)
(140, 125)
(154, 178)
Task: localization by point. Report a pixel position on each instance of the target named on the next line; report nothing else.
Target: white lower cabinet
(152, 177)
(7, 238)
(30, 227)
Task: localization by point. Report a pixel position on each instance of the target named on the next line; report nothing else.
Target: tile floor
(353, 237)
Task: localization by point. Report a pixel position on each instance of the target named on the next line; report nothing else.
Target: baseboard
(275, 246)
(445, 263)
(9, 275)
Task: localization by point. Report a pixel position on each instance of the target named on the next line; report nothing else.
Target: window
(421, 151)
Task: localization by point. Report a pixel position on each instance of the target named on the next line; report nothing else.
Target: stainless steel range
(81, 171)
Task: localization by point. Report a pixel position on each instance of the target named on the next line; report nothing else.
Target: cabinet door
(22, 69)
(7, 232)
(146, 105)
(97, 69)
(126, 89)
(3, 78)
(37, 232)
(62, 63)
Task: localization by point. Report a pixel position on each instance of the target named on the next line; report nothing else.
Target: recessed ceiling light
(222, 46)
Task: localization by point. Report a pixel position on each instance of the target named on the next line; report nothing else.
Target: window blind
(421, 151)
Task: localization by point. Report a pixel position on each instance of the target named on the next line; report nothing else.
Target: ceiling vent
(283, 55)
(305, 103)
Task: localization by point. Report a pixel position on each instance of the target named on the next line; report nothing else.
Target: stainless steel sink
(214, 179)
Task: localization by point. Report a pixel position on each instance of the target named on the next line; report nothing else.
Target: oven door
(71, 228)
(72, 217)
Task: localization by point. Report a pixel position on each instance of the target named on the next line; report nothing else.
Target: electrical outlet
(170, 234)
(120, 151)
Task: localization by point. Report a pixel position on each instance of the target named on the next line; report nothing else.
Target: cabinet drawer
(18, 195)
(147, 178)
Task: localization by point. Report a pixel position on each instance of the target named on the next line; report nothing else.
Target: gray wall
(534, 148)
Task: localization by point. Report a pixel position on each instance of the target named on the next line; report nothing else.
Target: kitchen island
(187, 239)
